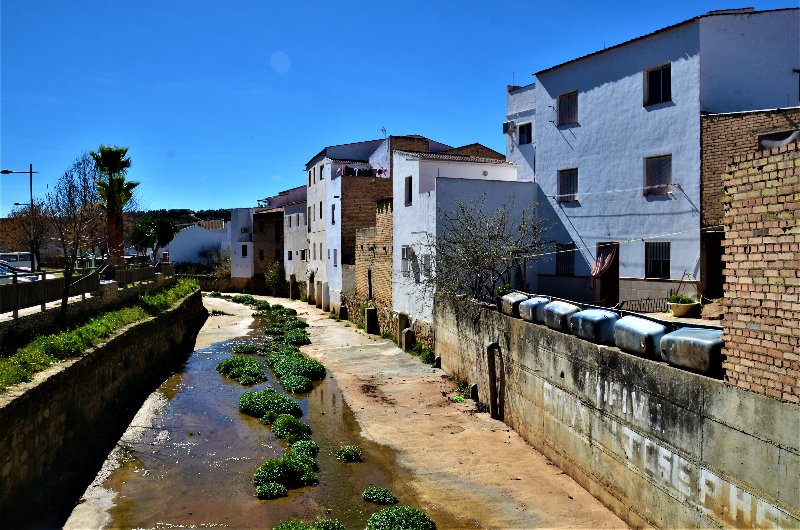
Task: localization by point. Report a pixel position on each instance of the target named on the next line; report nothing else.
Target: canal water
(193, 466)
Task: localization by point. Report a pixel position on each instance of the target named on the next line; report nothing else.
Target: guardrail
(20, 291)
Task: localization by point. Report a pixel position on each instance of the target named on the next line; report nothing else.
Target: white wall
(294, 240)
(316, 236)
(746, 61)
(521, 109)
(614, 134)
(333, 234)
(240, 239)
(188, 243)
(416, 225)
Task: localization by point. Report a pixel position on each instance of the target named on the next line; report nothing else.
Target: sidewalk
(37, 308)
(460, 461)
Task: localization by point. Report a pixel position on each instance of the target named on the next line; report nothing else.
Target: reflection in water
(195, 466)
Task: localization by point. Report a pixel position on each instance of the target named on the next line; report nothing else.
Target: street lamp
(30, 172)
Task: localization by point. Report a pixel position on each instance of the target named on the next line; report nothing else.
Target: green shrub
(258, 402)
(290, 472)
(681, 299)
(295, 323)
(379, 495)
(350, 453)
(297, 384)
(245, 299)
(425, 355)
(246, 370)
(282, 310)
(269, 417)
(308, 447)
(400, 517)
(246, 348)
(159, 301)
(271, 490)
(296, 365)
(214, 294)
(288, 427)
(261, 305)
(296, 337)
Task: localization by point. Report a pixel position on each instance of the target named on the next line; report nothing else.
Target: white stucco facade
(295, 241)
(194, 243)
(435, 185)
(240, 241)
(718, 63)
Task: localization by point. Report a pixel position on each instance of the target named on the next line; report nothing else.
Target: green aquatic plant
(271, 490)
(308, 447)
(258, 402)
(296, 337)
(400, 517)
(290, 428)
(246, 348)
(319, 524)
(350, 453)
(246, 370)
(296, 384)
(379, 495)
(245, 299)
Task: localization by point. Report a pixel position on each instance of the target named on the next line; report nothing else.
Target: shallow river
(194, 467)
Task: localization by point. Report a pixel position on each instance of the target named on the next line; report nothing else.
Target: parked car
(20, 260)
(7, 272)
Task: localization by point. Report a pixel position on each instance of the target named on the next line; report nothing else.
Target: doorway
(608, 293)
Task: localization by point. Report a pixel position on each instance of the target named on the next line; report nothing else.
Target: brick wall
(373, 252)
(267, 240)
(476, 150)
(762, 267)
(359, 195)
(724, 136)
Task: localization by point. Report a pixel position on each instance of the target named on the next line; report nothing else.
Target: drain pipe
(492, 372)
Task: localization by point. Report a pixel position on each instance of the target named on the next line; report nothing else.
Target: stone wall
(58, 429)
(762, 268)
(374, 257)
(659, 446)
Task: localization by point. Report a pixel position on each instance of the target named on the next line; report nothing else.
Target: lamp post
(30, 173)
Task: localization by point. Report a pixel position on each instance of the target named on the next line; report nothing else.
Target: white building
(344, 181)
(427, 185)
(613, 140)
(240, 241)
(198, 244)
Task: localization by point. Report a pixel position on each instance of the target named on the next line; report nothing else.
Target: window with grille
(568, 108)
(656, 260)
(525, 133)
(657, 175)
(567, 185)
(565, 259)
(658, 85)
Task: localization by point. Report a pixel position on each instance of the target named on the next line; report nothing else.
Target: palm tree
(114, 191)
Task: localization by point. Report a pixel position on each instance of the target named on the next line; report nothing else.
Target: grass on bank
(47, 350)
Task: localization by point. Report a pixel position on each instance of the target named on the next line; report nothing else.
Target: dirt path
(461, 462)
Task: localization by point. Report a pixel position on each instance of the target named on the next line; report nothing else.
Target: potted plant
(682, 305)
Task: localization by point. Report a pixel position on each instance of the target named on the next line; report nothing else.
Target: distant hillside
(183, 216)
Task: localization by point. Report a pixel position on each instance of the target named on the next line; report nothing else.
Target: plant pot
(685, 310)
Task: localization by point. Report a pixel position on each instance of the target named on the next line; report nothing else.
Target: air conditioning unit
(509, 127)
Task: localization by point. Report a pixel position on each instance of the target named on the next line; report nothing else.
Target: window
(656, 260)
(658, 85)
(335, 257)
(408, 191)
(309, 215)
(321, 176)
(567, 185)
(244, 251)
(565, 259)
(333, 214)
(568, 108)
(329, 253)
(313, 251)
(289, 255)
(309, 178)
(314, 173)
(525, 133)
(289, 221)
(320, 251)
(320, 212)
(657, 175)
(303, 255)
(406, 253)
(261, 254)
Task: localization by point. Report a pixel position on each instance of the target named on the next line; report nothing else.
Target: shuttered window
(657, 175)
(567, 185)
(568, 108)
(565, 259)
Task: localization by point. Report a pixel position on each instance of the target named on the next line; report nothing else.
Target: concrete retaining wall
(659, 446)
(58, 429)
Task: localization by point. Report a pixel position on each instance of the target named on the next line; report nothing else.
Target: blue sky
(222, 103)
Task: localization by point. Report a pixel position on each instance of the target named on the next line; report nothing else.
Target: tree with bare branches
(72, 208)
